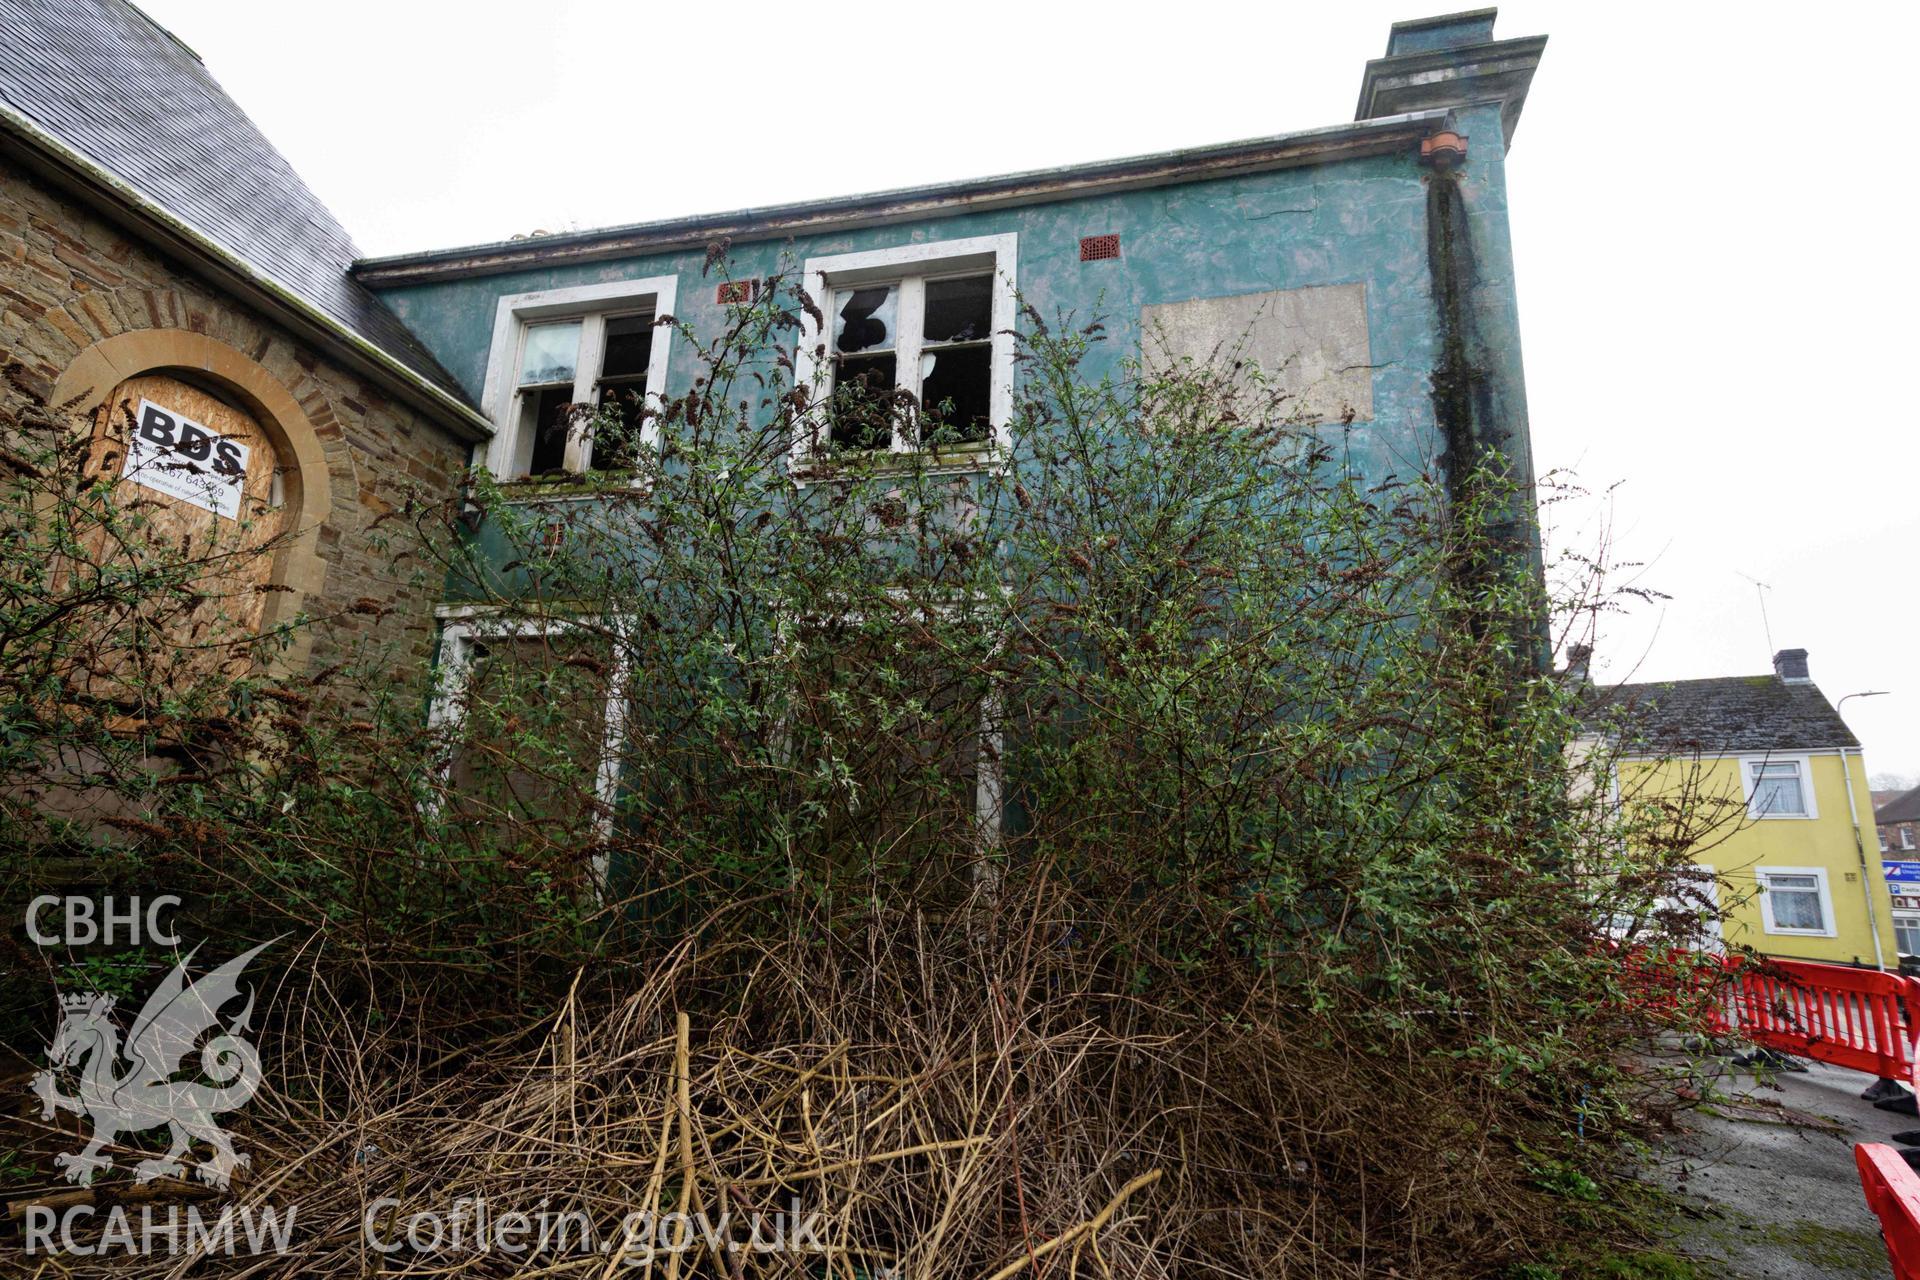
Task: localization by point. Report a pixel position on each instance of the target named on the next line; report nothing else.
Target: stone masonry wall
(68, 279)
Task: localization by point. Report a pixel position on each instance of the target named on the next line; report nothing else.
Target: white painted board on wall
(170, 453)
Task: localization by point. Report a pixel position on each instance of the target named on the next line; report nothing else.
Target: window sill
(1782, 817)
(844, 467)
(1798, 933)
(571, 486)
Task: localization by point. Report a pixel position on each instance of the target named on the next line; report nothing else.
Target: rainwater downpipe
(1859, 845)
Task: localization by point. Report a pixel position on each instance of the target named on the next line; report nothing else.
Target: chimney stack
(1791, 665)
(1451, 63)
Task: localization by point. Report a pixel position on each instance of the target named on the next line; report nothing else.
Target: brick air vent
(1099, 248)
(736, 291)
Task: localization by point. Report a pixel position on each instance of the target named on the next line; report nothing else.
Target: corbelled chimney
(1791, 665)
(1450, 62)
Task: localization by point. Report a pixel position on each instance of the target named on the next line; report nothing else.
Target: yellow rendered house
(1792, 859)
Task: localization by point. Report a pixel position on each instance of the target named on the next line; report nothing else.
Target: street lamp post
(1859, 844)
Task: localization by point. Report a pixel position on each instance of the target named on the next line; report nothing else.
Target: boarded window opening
(197, 451)
(532, 723)
(906, 729)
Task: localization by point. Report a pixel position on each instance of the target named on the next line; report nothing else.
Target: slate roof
(1904, 807)
(1720, 715)
(122, 91)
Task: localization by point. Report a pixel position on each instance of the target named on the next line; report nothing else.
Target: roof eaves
(1904, 807)
(1309, 146)
(127, 204)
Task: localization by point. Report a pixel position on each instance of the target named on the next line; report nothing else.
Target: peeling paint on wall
(1309, 344)
(1358, 224)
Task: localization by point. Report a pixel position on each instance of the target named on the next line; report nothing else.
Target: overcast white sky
(1713, 207)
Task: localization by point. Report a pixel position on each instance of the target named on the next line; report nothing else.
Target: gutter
(125, 204)
(1385, 136)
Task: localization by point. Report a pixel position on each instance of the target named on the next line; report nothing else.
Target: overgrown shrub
(1159, 817)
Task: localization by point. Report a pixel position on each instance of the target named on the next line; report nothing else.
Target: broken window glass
(960, 310)
(863, 398)
(550, 354)
(548, 414)
(956, 371)
(865, 367)
(956, 394)
(622, 389)
(616, 432)
(865, 320)
(944, 365)
(629, 346)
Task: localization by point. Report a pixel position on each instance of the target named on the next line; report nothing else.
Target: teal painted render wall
(1360, 221)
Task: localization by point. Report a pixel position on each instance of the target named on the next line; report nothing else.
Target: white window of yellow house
(1795, 900)
(1779, 787)
(561, 354)
(913, 349)
(1906, 932)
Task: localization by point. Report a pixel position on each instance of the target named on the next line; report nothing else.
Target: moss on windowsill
(569, 484)
(849, 463)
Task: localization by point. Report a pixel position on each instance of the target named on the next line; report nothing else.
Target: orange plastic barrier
(1857, 1018)
(1893, 1193)
(1862, 1019)
(1670, 983)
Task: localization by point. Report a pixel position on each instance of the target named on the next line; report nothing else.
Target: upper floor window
(1779, 788)
(561, 354)
(916, 352)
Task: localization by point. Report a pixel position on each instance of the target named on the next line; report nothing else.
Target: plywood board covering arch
(244, 386)
(175, 509)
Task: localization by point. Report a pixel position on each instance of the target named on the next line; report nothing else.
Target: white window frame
(1707, 880)
(813, 363)
(1621, 924)
(1762, 875)
(1906, 835)
(1749, 771)
(461, 626)
(1900, 915)
(592, 304)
